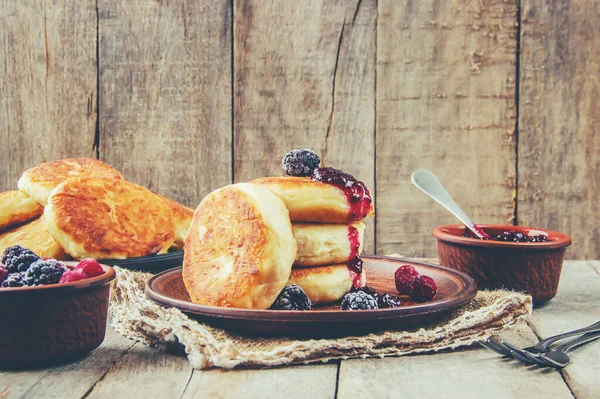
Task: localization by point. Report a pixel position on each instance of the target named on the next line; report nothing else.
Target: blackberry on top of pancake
(240, 248)
(108, 219)
(321, 195)
(40, 180)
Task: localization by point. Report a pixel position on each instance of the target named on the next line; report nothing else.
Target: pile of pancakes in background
(247, 241)
(83, 208)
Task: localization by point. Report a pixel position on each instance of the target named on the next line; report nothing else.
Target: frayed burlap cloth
(137, 317)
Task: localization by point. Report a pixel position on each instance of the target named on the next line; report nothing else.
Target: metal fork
(558, 357)
(506, 349)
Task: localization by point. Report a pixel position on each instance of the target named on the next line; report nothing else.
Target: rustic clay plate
(454, 289)
(151, 264)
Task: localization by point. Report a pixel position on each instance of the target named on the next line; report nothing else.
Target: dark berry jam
(481, 232)
(354, 239)
(355, 268)
(359, 197)
(510, 236)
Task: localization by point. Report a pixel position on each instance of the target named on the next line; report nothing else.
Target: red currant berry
(422, 289)
(404, 277)
(72, 275)
(90, 267)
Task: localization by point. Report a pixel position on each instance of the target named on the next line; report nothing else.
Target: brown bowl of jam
(516, 258)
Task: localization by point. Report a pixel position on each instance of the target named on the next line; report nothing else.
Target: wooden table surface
(121, 368)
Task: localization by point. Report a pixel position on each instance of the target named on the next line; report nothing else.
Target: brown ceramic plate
(454, 289)
(55, 323)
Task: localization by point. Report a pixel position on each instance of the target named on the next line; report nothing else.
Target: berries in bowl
(517, 258)
(56, 311)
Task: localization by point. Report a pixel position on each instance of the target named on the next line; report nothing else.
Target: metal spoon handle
(592, 328)
(574, 343)
(427, 182)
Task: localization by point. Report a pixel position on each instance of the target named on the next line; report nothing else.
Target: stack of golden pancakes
(326, 211)
(83, 208)
(247, 241)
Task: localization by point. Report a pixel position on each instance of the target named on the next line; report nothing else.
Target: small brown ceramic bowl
(533, 268)
(53, 324)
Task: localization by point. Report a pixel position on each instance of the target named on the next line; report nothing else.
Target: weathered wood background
(500, 98)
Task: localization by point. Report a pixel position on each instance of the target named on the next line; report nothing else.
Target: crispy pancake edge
(240, 248)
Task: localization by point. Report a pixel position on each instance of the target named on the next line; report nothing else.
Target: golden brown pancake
(182, 218)
(326, 284)
(327, 244)
(108, 219)
(16, 208)
(240, 249)
(34, 236)
(310, 201)
(38, 181)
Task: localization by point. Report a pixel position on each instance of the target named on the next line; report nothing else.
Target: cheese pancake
(38, 181)
(312, 201)
(108, 219)
(326, 284)
(182, 218)
(240, 248)
(35, 237)
(327, 244)
(16, 208)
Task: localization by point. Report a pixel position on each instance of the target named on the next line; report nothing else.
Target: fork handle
(584, 339)
(592, 328)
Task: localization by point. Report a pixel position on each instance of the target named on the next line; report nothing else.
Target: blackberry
(44, 272)
(389, 301)
(367, 290)
(292, 297)
(3, 273)
(18, 259)
(358, 301)
(300, 162)
(14, 280)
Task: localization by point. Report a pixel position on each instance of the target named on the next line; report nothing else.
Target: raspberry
(44, 272)
(300, 162)
(72, 275)
(404, 277)
(292, 297)
(389, 301)
(14, 280)
(90, 267)
(358, 301)
(3, 273)
(422, 289)
(18, 259)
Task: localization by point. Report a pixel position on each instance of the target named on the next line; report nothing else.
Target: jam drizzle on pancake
(359, 197)
(354, 239)
(355, 268)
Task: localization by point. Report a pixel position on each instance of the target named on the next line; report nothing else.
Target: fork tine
(552, 363)
(496, 347)
(516, 353)
(536, 358)
(487, 345)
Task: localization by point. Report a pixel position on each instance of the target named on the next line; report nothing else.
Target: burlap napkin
(137, 317)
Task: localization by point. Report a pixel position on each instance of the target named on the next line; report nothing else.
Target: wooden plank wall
(184, 96)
